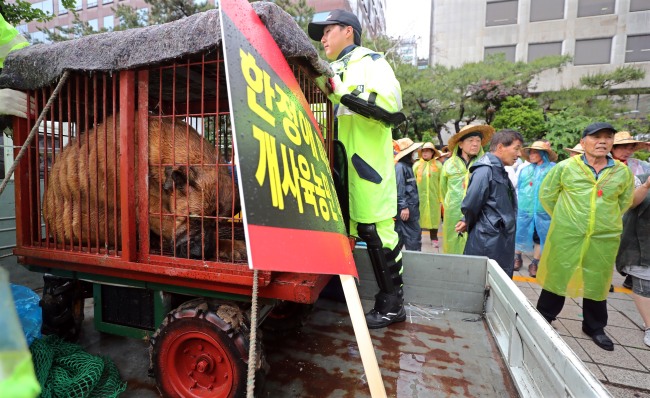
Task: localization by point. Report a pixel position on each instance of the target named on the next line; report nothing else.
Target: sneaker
(627, 283)
(646, 338)
(532, 269)
(377, 320)
(435, 244)
(518, 263)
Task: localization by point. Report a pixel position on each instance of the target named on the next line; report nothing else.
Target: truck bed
(435, 353)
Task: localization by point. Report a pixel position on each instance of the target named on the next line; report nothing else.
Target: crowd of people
(512, 200)
(572, 216)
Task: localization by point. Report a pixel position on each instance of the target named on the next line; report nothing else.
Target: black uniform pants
(594, 312)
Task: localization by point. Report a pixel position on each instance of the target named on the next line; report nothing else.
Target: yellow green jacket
(10, 40)
(586, 225)
(427, 176)
(368, 142)
(454, 179)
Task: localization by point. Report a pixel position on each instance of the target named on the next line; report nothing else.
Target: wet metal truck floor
(469, 332)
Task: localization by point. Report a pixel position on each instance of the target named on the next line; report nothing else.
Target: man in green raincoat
(466, 147)
(586, 197)
(427, 175)
(365, 77)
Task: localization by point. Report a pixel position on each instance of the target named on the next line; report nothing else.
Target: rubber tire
(63, 307)
(199, 318)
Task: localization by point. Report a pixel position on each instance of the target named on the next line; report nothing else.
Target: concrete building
(600, 35)
(100, 14)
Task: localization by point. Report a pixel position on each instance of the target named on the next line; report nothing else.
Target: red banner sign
(290, 209)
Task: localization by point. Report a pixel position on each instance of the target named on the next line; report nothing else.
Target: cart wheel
(287, 316)
(62, 306)
(201, 350)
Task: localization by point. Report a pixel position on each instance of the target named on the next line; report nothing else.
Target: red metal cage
(132, 176)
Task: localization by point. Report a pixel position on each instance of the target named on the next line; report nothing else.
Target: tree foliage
(521, 114)
(301, 12)
(21, 11)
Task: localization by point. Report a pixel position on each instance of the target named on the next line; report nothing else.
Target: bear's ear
(179, 177)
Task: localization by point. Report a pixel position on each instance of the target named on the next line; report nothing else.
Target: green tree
(21, 11)
(564, 129)
(299, 10)
(521, 114)
(163, 11)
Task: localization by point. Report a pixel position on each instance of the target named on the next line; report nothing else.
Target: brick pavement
(625, 372)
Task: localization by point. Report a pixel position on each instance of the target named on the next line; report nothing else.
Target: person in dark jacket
(490, 204)
(407, 221)
(634, 252)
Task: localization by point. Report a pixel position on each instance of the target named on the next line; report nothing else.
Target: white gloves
(13, 102)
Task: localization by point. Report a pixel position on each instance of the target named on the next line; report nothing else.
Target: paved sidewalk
(626, 370)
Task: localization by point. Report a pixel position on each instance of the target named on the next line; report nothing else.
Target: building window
(94, 24)
(501, 13)
(22, 29)
(78, 5)
(639, 5)
(38, 37)
(539, 50)
(107, 1)
(91, 3)
(507, 51)
(62, 10)
(143, 13)
(637, 48)
(588, 8)
(46, 6)
(109, 23)
(546, 10)
(593, 51)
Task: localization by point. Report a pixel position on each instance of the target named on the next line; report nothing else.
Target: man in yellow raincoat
(427, 175)
(586, 197)
(466, 147)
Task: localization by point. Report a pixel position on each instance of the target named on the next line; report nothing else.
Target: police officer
(365, 81)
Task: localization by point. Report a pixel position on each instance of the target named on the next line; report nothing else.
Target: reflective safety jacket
(454, 180)
(368, 142)
(586, 224)
(531, 215)
(427, 176)
(10, 40)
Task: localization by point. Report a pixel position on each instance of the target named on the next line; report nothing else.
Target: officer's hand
(461, 227)
(404, 214)
(13, 102)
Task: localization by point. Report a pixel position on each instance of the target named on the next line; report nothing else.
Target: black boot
(389, 308)
(627, 283)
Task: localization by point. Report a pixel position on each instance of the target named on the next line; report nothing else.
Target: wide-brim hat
(406, 146)
(576, 149)
(486, 133)
(624, 138)
(315, 28)
(429, 145)
(444, 151)
(540, 146)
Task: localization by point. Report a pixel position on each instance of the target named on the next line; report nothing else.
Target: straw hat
(444, 152)
(541, 146)
(429, 145)
(624, 137)
(406, 146)
(575, 149)
(485, 130)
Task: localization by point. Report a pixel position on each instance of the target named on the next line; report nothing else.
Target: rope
(32, 133)
(252, 354)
